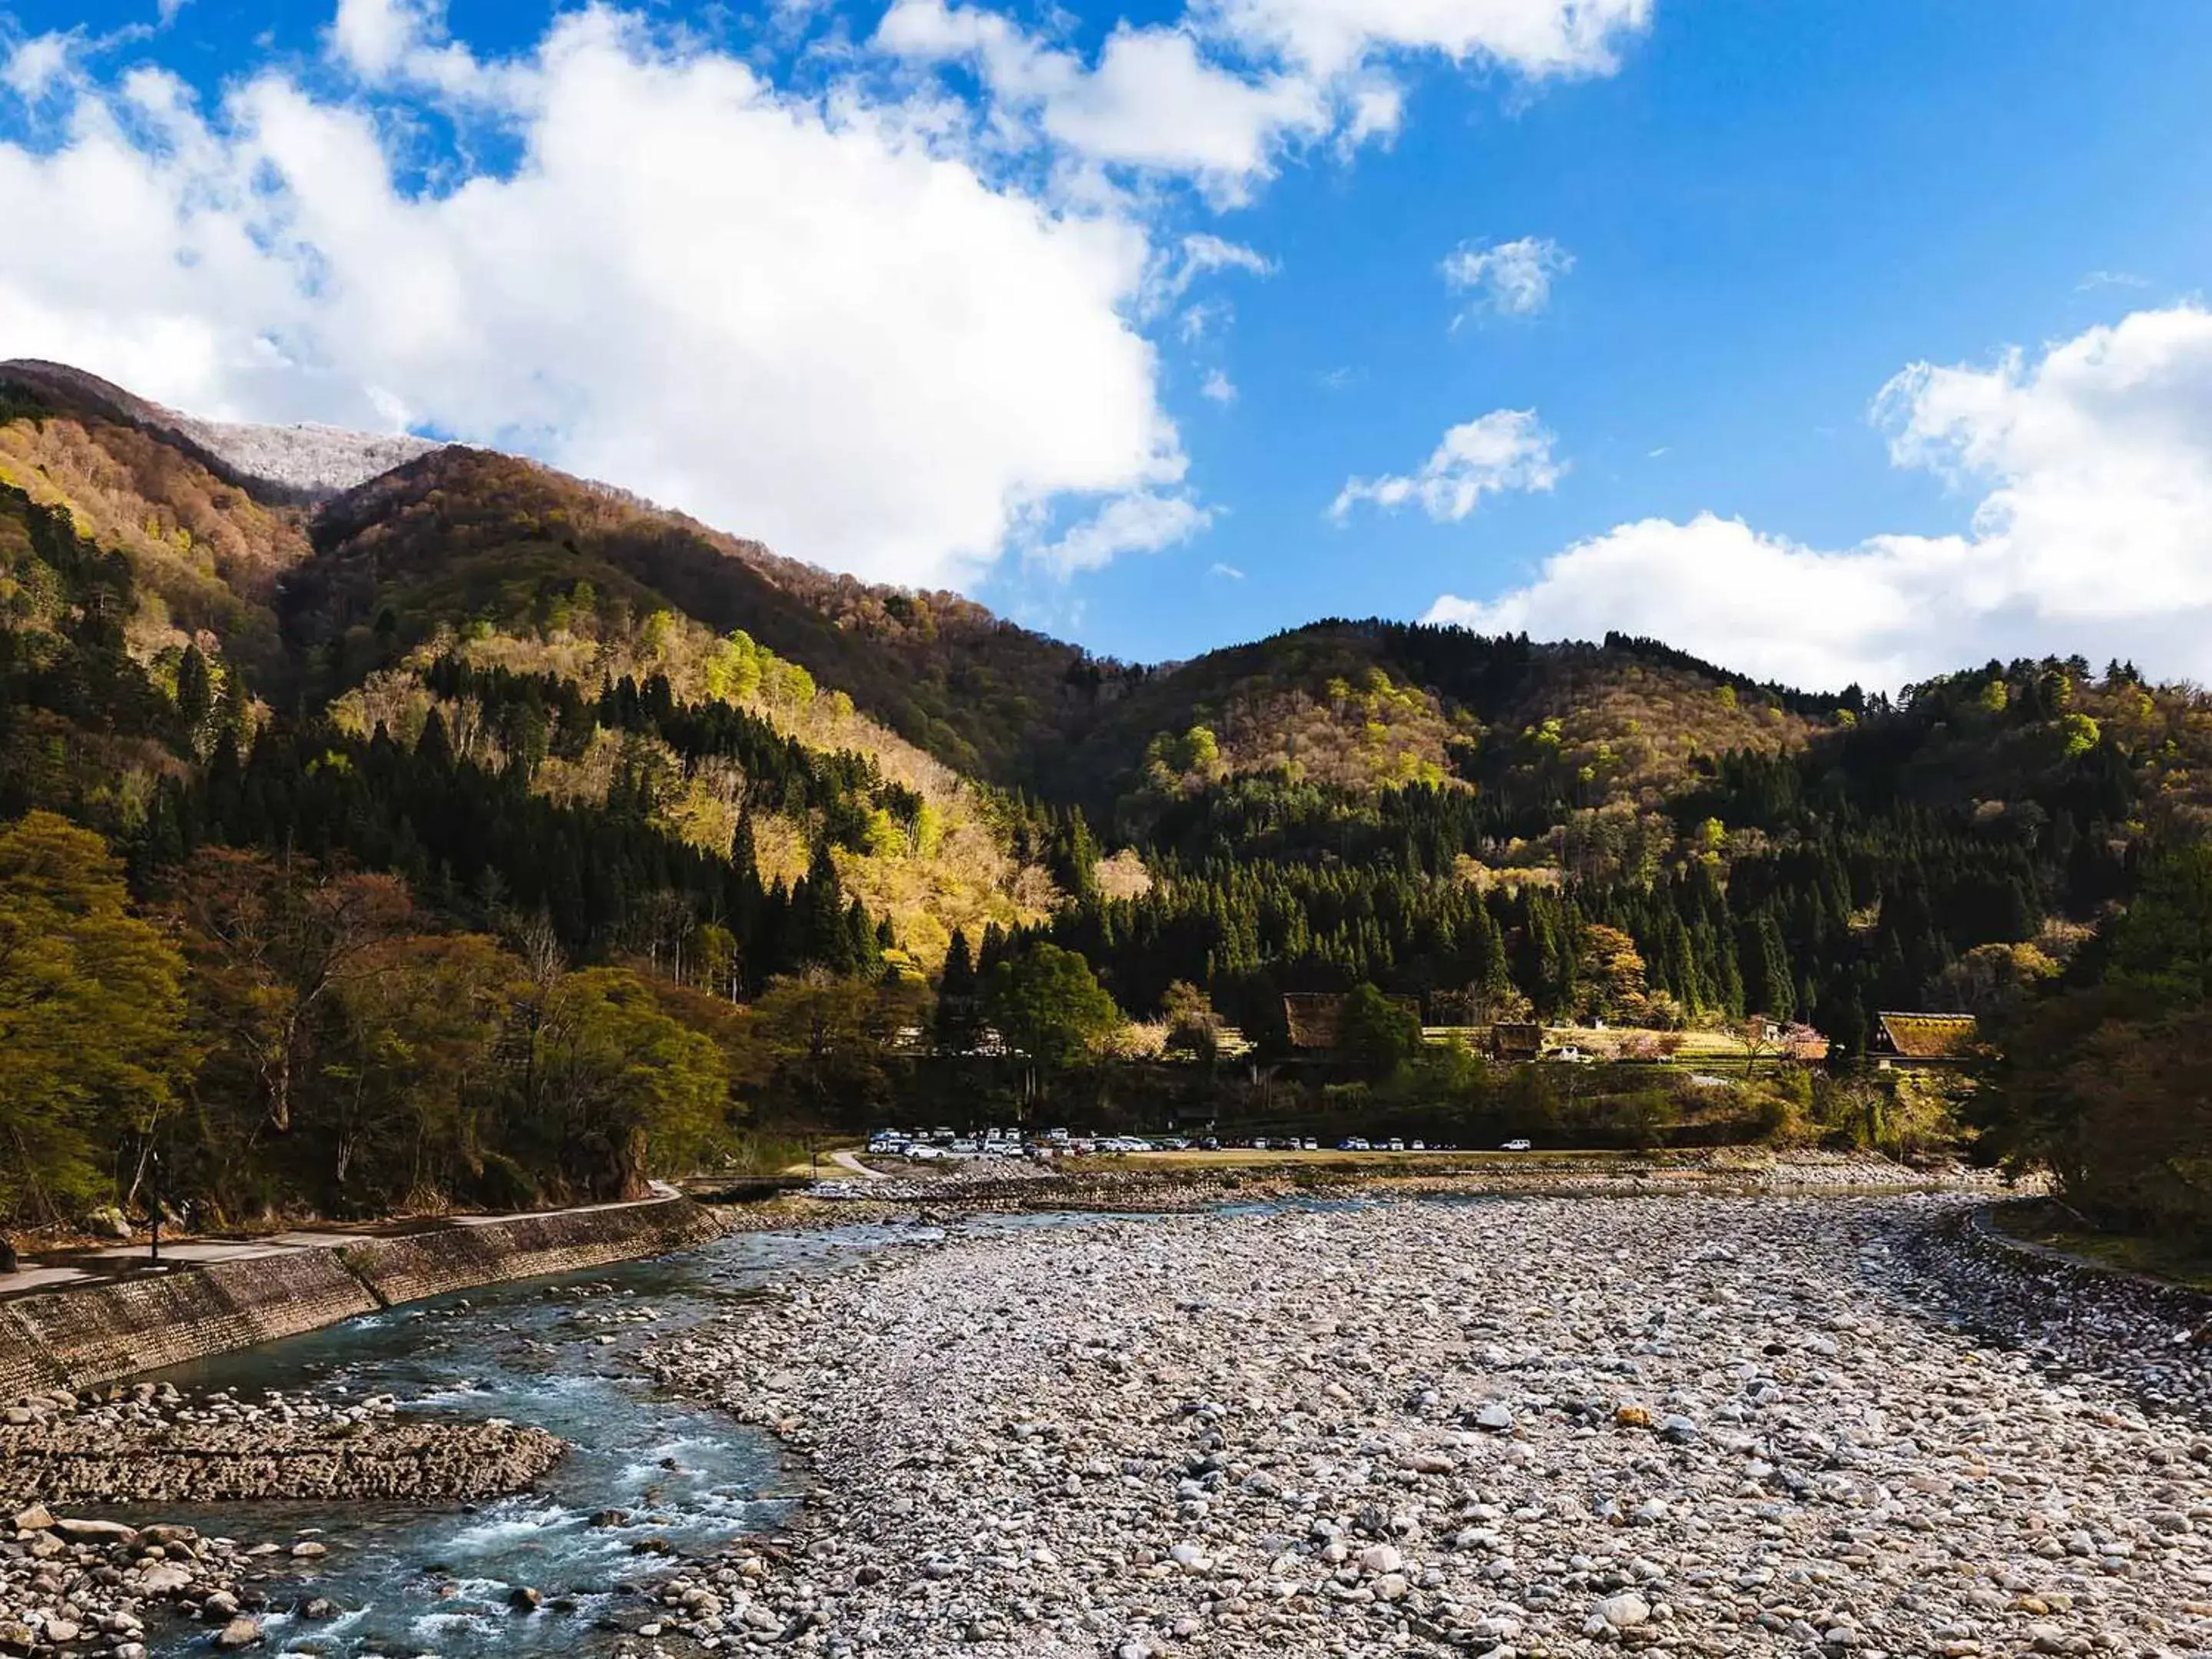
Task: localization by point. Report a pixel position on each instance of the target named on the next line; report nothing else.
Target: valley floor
(1705, 1424)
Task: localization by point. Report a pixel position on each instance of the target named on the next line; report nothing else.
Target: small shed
(1517, 1040)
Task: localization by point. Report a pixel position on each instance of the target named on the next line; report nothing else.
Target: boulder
(243, 1631)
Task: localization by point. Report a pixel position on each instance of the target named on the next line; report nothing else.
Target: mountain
(382, 733)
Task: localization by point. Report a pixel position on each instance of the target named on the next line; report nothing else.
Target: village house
(1911, 1040)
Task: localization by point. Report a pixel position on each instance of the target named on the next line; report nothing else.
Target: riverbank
(894, 1189)
(105, 1329)
(1697, 1423)
(86, 1321)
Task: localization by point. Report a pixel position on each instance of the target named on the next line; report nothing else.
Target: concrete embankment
(95, 1334)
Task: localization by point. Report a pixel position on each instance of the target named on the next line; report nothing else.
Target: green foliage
(1375, 1035)
(2105, 1081)
(833, 1049)
(1048, 1005)
(2162, 948)
(92, 1041)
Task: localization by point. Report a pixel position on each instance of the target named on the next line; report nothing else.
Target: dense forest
(479, 837)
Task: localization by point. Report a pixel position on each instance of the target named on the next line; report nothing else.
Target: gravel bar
(1708, 1425)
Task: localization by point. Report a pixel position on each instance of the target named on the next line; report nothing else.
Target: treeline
(533, 716)
(289, 967)
(2105, 1078)
(1265, 886)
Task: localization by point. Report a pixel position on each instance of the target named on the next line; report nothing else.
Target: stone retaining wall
(82, 1337)
(419, 1265)
(24, 1366)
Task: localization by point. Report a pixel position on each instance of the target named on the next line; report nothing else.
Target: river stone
(243, 1631)
(95, 1532)
(1624, 1611)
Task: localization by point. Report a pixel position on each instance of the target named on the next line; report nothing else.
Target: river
(556, 1354)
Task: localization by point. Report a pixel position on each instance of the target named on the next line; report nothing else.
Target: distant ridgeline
(477, 833)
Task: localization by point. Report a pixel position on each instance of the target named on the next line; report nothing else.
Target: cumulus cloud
(1142, 523)
(1218, 94)
(860, 321)
(1513, 279)
(1217, 388)
(801, 319)
(2092, 532)
(1505, 449)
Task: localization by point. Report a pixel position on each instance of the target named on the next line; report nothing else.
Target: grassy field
(1707, 1046)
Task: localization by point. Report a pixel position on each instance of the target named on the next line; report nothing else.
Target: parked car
(1309, 1145)
(1396, 1145)
(1517, 1146)
(1354, 1144)
(1420, 1145)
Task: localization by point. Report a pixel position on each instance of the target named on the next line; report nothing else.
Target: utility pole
(153, 1205)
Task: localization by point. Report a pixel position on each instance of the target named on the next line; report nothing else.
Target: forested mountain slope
(497, 816)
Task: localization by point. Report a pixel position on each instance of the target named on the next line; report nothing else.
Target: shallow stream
(557, 1353)
(552, 1353)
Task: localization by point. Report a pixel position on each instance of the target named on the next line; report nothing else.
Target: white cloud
(1195, 255)
(1529, 36)
(1220, 93)
(2110, 279)
(2093, 533)
(804, 320)
(1141, 522)
(37, 65)
(1513, 279)
(1228, 572)
(1219, 387)
(1505, 449)
(864, 323)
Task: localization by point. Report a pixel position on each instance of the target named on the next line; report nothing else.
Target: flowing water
(557, 1353)
(552, 1353)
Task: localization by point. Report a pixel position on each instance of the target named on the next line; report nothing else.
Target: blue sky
(994, 371)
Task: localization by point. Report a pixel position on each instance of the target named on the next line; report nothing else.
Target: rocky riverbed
(1710, 1425)
(71, 1585)
(150, 1444)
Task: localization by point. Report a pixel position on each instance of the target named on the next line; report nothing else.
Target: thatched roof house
(1926, 1039)
(1313, 1018)
(1517, 1040)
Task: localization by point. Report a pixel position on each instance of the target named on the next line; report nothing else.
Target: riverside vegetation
(481, 837)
